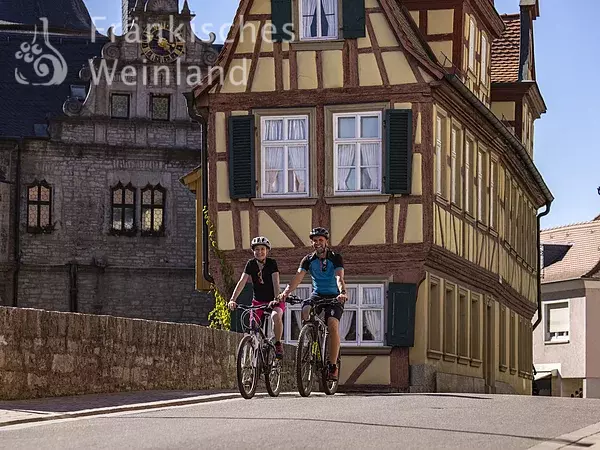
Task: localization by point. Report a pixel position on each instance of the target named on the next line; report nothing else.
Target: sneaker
(278, 350)
(333, 372)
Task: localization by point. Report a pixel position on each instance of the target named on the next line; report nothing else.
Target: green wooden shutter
(281, 18)
(242, 178)
(353, 16)
(401, 304)
(398, 123)
(245, 298)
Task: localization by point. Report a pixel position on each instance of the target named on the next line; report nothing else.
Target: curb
(126, 408)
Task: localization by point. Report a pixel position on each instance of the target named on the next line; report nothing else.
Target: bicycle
(256, 356)
(314, 336)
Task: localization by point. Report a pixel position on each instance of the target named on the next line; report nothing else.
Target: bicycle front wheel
(272, 372)
(247, 371)
(306, 353)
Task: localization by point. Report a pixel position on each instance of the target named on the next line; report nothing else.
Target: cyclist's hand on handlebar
(274, 303)
(232, 305)
(342, 298)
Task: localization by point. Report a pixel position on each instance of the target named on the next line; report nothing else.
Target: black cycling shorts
(331, 310)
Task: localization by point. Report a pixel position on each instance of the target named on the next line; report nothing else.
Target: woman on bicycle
(265, 280)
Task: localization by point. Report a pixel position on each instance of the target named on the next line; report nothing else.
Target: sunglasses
(324, 266)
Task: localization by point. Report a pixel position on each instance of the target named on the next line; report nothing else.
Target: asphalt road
(419, 421)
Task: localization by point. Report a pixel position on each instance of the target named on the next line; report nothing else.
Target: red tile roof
(506, 51)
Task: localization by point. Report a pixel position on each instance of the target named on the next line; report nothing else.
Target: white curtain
(273, 130)
(274, 169)
(372, 318)
(309, 8)
(346, 323)
(329, 9)
(297, 169)
(346, 157)
(370, 174)
(297, 129)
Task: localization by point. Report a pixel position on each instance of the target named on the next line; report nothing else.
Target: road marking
(584, 438)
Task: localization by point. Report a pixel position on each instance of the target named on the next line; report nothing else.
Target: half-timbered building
(395, 125)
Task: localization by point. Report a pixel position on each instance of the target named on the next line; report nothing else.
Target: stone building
(93, 217)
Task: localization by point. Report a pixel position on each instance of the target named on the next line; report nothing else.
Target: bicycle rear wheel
(272, 372)
(247, 371)
(305, 360)
(329, 386)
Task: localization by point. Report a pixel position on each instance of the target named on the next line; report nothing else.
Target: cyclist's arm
(339, 277)
(295, 282)
(239, 286)
(275, 277)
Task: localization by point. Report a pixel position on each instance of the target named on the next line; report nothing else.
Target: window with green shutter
(281, 18)
(398, 126)
(353, 13)
(242, 179)
(401, 304)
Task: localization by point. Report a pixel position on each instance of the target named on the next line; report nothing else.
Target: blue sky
(564, 56)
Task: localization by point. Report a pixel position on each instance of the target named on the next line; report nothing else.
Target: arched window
(39, 207)
(153, 210)
(123, 210)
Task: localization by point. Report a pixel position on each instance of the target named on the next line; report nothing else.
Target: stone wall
(53, 353)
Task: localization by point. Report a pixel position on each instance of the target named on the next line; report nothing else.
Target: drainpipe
(539, 274)
(16, 226)
(189, 96)
(73, 303)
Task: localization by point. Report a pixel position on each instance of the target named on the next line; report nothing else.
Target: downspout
(189, 96)
(16, 224)
(73, 302)
(539, 274)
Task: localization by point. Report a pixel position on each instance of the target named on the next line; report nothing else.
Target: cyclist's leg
(277, 318)
(256, 315)
(333, 315)
(306, 305)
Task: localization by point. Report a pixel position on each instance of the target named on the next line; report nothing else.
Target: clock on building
(160, 44)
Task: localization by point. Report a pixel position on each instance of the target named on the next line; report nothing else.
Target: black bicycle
(312, 353)
(256, 355)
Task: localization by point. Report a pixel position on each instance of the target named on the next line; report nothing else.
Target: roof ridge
(572, 225)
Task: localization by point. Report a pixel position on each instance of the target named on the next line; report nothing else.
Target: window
(119, 106)
(153, 210)
(449, 322)
(469, 160)
(39, 207)
(123, 209)
(475, 329)
(513, 342)
(319, 19)
(502, 326)
(284, 161)
(160, 107)
(557, 321)
(482, 175)
(484, 59)
(357, 152)
(472, 33)
(455, 172)
(493, 195)
(440, 156)
(435, 319)
(463, 326)
(361, 324)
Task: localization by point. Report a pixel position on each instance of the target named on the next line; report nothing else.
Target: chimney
(126, 8)
(533, 6)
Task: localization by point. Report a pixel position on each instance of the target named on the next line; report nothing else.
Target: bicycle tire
(307, 336)
(330, 387)
(273, 388)
(247, 394)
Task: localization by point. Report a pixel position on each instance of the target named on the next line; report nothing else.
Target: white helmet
(260, 240)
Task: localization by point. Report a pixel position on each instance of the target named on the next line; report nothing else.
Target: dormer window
(319, 19)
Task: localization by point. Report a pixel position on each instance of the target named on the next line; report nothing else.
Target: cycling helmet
(319, 231)
(260, 240)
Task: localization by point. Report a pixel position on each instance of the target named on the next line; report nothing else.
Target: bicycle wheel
(272, 372)
(329, 386)
(305, 360)
(247, 372)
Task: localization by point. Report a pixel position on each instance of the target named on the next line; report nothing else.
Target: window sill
(463, 360)
(450, 357)
(503, 368)
(278, 201)
(351, 199)
(476, 362)
(365, 350)
(513, 371)
(469, 217)
(565, 341)
(482, 226)
(434, 354)
(456, 208)
(325, 44)
(441, 199)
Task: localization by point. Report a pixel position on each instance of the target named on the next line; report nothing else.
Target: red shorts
(258, 313)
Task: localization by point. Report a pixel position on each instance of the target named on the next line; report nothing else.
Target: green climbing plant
(220, 317)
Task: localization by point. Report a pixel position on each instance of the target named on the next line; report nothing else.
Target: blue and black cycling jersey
(323, 272)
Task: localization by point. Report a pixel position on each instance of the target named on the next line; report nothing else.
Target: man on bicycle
(265, 279)
(327, 271)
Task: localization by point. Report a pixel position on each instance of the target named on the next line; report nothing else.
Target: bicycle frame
(259, 336)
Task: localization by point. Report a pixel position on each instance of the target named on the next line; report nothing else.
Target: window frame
(336, 35)
(472, 41)
(484, 59)
(156, 96)
(152, 207)
(38, 203)
(547, 306)
(358, 140)
(307, 159)
(120, 94)
(123, 231)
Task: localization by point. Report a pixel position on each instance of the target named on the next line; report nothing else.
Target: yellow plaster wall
(415, 16)
(267, 39)
(264, 78)
(414, 224)
(417, 178)
(442, 50)
(348, 365)
(307, 70)
(419, 130)
(245, 224)
(378, 372)
(299, 220)
(266, 227)
(396, 222)
(440, 21)
(373, 231)
(248, 36)
(397, 68)
(368, 73)
(260, 7)
(364, 42)
(342, 219)
(225, 230)
(236, 78)
(372, 4)
(222, 183)
(333, 70)
(504, 108)
(383, 32)
(220, 133)
(286, 74)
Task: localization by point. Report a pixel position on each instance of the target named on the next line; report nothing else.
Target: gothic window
(123, 210)
(119, 106)
(153, 210)
(160, 107)
(39, 207)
